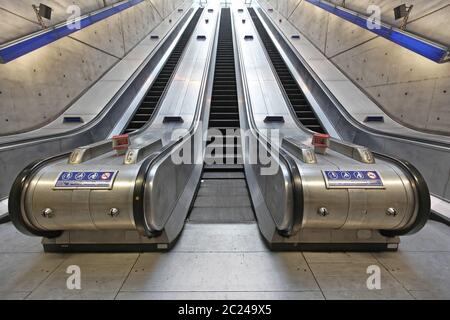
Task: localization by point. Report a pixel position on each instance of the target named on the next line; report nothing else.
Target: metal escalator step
(223, 123)
(223, 116)
(223, 97)
(314, 127)
(145, 111)
(222, 215)
(222, 201)
(223, 167)
(308, 121)
(223, 175)
(295, 95)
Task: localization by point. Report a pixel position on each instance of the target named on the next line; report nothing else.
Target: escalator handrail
(152, 160)
(294, 173)
(103, 112)
(17, 193)
(172, 76)
(348, 117)
(421, 189)
(280, 85)
(423, 194)
(416, 180)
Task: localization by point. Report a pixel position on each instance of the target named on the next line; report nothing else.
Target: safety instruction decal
(352, 179)
(85, 180)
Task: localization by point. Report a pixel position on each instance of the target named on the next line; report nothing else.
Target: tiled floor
(227, 262)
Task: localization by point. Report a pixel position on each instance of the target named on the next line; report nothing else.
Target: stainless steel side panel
(76, 209)
(356, 208)
(166, 180)
(429, 155)
(347, 208)
(15, 156)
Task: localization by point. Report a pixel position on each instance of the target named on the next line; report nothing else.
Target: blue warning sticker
(352, 179)
(85, 180)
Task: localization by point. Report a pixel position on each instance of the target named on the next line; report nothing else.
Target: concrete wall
(39, 86)
(413, 90)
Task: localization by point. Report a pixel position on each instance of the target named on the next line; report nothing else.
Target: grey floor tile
(220, 238)
(189, 295)
(382, 294)
(12, 241)
(13, 295)
(420, 271)
(428, 295)
(434, 236)
(350, 276)
(25, 271)
(336, 257)
(261, 271)
(64, 294)
(102, 275)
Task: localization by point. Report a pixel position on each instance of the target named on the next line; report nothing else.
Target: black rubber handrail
(141, 178)
(5, 219)
(15, 197)
(16, 194)
(310, 123)
(294, 173)
(180, 45)
(297, 190)
(418, 182)
(415, 177)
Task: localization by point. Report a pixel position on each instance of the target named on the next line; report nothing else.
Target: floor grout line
(393, 276)
(48, 276)
(127, 276)
(314, 276)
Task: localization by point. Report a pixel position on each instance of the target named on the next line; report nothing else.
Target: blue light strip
(427, 49)
(18, 48)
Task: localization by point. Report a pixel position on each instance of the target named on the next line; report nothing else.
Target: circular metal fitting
(114, 212)
(47, 213)
(323, 212)
(391, 212)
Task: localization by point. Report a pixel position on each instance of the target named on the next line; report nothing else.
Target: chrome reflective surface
(169, 186)
(320, 207)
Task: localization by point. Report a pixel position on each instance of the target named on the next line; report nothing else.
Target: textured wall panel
(137, 22)
(39, 86)
(409, 87)
(105, 35)
(28, 21)
(439, 117)
(343, 35)
(313, 22)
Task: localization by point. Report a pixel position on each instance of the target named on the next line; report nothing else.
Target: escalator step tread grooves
(224, 112)
(145, 111)
(294, 93)
(223, 195)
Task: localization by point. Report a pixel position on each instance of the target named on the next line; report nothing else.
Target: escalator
(223, 196)
(147, 107)
(297, 99)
